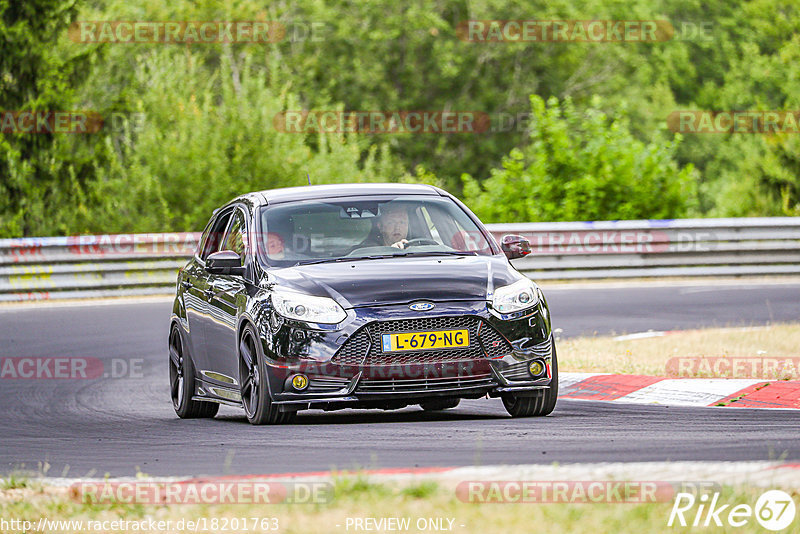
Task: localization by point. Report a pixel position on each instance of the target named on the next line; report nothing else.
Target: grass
(14, 481)
(649, 356)
(360, 498)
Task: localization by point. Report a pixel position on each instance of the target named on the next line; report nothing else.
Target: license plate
(438, 339)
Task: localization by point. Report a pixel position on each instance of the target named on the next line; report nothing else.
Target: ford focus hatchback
(356, 296)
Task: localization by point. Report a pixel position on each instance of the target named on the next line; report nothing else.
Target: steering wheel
(421, 241)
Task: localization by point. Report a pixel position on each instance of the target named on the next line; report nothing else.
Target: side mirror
(515, 246)
(225, 262)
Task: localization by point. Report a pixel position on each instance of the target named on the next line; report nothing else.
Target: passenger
(275, 246)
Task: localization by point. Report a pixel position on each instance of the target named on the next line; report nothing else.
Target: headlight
(515, 297)
(306, 308)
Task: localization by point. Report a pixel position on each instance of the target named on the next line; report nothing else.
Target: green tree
(38, 179)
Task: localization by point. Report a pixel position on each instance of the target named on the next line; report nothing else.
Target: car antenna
(309, 178)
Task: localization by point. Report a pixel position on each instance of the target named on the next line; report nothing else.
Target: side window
(201, 246)
(214, 238)
(234, 237)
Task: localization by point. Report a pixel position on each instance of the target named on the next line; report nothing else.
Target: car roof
(312, 192)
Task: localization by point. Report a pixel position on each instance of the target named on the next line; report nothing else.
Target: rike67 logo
(774, 510)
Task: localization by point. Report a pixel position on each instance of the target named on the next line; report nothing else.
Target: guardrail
(41, 268)
(142, 264)
(656, 248)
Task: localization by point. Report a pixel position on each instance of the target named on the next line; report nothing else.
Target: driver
(393, 226)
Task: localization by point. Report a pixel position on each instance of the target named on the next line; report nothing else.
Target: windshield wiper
(442, 253)
(355, 258)
(385, 256)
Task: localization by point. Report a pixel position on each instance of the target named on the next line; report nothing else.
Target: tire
(437, 405)
(542, 403)
(181, 380)
(254, 384)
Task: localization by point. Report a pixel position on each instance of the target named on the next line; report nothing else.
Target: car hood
(401, 280)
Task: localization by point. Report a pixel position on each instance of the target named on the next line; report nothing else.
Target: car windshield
(356, 228)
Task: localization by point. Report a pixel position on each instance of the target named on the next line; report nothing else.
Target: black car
(356, 296)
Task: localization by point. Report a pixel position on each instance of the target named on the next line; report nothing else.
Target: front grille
(543, 349)
(423, 385)
(493, 343)
(364, 347)
(516, 372)
(326, 384)
(354, 350)
(433, 356)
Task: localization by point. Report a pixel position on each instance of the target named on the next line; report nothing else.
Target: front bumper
(464, 379)
(346, 367)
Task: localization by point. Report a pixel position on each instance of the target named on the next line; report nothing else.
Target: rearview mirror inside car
(225, 262)
(515, 246)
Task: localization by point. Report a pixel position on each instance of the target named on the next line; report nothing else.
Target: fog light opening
(298, 382)
(536, 368)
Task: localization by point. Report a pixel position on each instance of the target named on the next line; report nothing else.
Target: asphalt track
(120, 426)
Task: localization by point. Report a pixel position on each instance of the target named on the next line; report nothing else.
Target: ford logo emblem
(422, 306)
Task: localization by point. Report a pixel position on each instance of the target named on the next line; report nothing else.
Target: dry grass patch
(649, 356)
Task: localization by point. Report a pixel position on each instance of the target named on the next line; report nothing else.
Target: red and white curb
(641, 389)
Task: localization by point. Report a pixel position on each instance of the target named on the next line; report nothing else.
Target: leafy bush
(581, 165)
